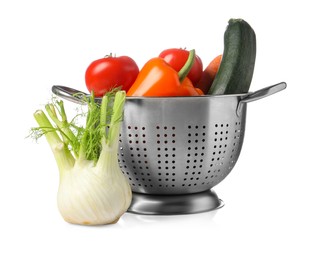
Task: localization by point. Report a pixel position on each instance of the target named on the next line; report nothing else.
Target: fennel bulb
(92, 188)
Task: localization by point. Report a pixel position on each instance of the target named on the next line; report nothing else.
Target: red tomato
(178, 57)
(104, 74)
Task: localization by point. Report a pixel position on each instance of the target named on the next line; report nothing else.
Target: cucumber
(237, 66)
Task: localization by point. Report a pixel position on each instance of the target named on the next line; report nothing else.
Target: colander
(175, 150)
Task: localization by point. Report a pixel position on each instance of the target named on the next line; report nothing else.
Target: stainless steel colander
(175, 150)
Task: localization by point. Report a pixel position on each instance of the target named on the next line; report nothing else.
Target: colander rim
(185, 97)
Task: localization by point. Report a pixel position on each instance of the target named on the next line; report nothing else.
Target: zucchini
(237, 66)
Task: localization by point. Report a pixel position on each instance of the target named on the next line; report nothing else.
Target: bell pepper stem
(187, 66)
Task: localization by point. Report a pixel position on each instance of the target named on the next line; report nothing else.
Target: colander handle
(262, 93)
(70, 94)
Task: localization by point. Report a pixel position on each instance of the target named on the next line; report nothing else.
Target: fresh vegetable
(92, 188)
(110, 72)
(177, 58)
(209, 74)
(237, 66)
(158, 78)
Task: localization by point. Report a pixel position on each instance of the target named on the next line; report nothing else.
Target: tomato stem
(109, 55)
(182, 74)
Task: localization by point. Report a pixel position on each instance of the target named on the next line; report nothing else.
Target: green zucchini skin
(238, 61)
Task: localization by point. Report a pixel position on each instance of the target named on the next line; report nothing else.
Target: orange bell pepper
(158, 78)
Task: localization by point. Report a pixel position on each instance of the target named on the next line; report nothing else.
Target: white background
(271, 196)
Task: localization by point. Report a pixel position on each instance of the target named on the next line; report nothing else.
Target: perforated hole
(218, 151)
(237, 138)
(138, 154)
(154, 162)
(166, 153)
(196, 141)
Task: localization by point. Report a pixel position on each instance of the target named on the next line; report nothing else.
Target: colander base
(147, 204)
